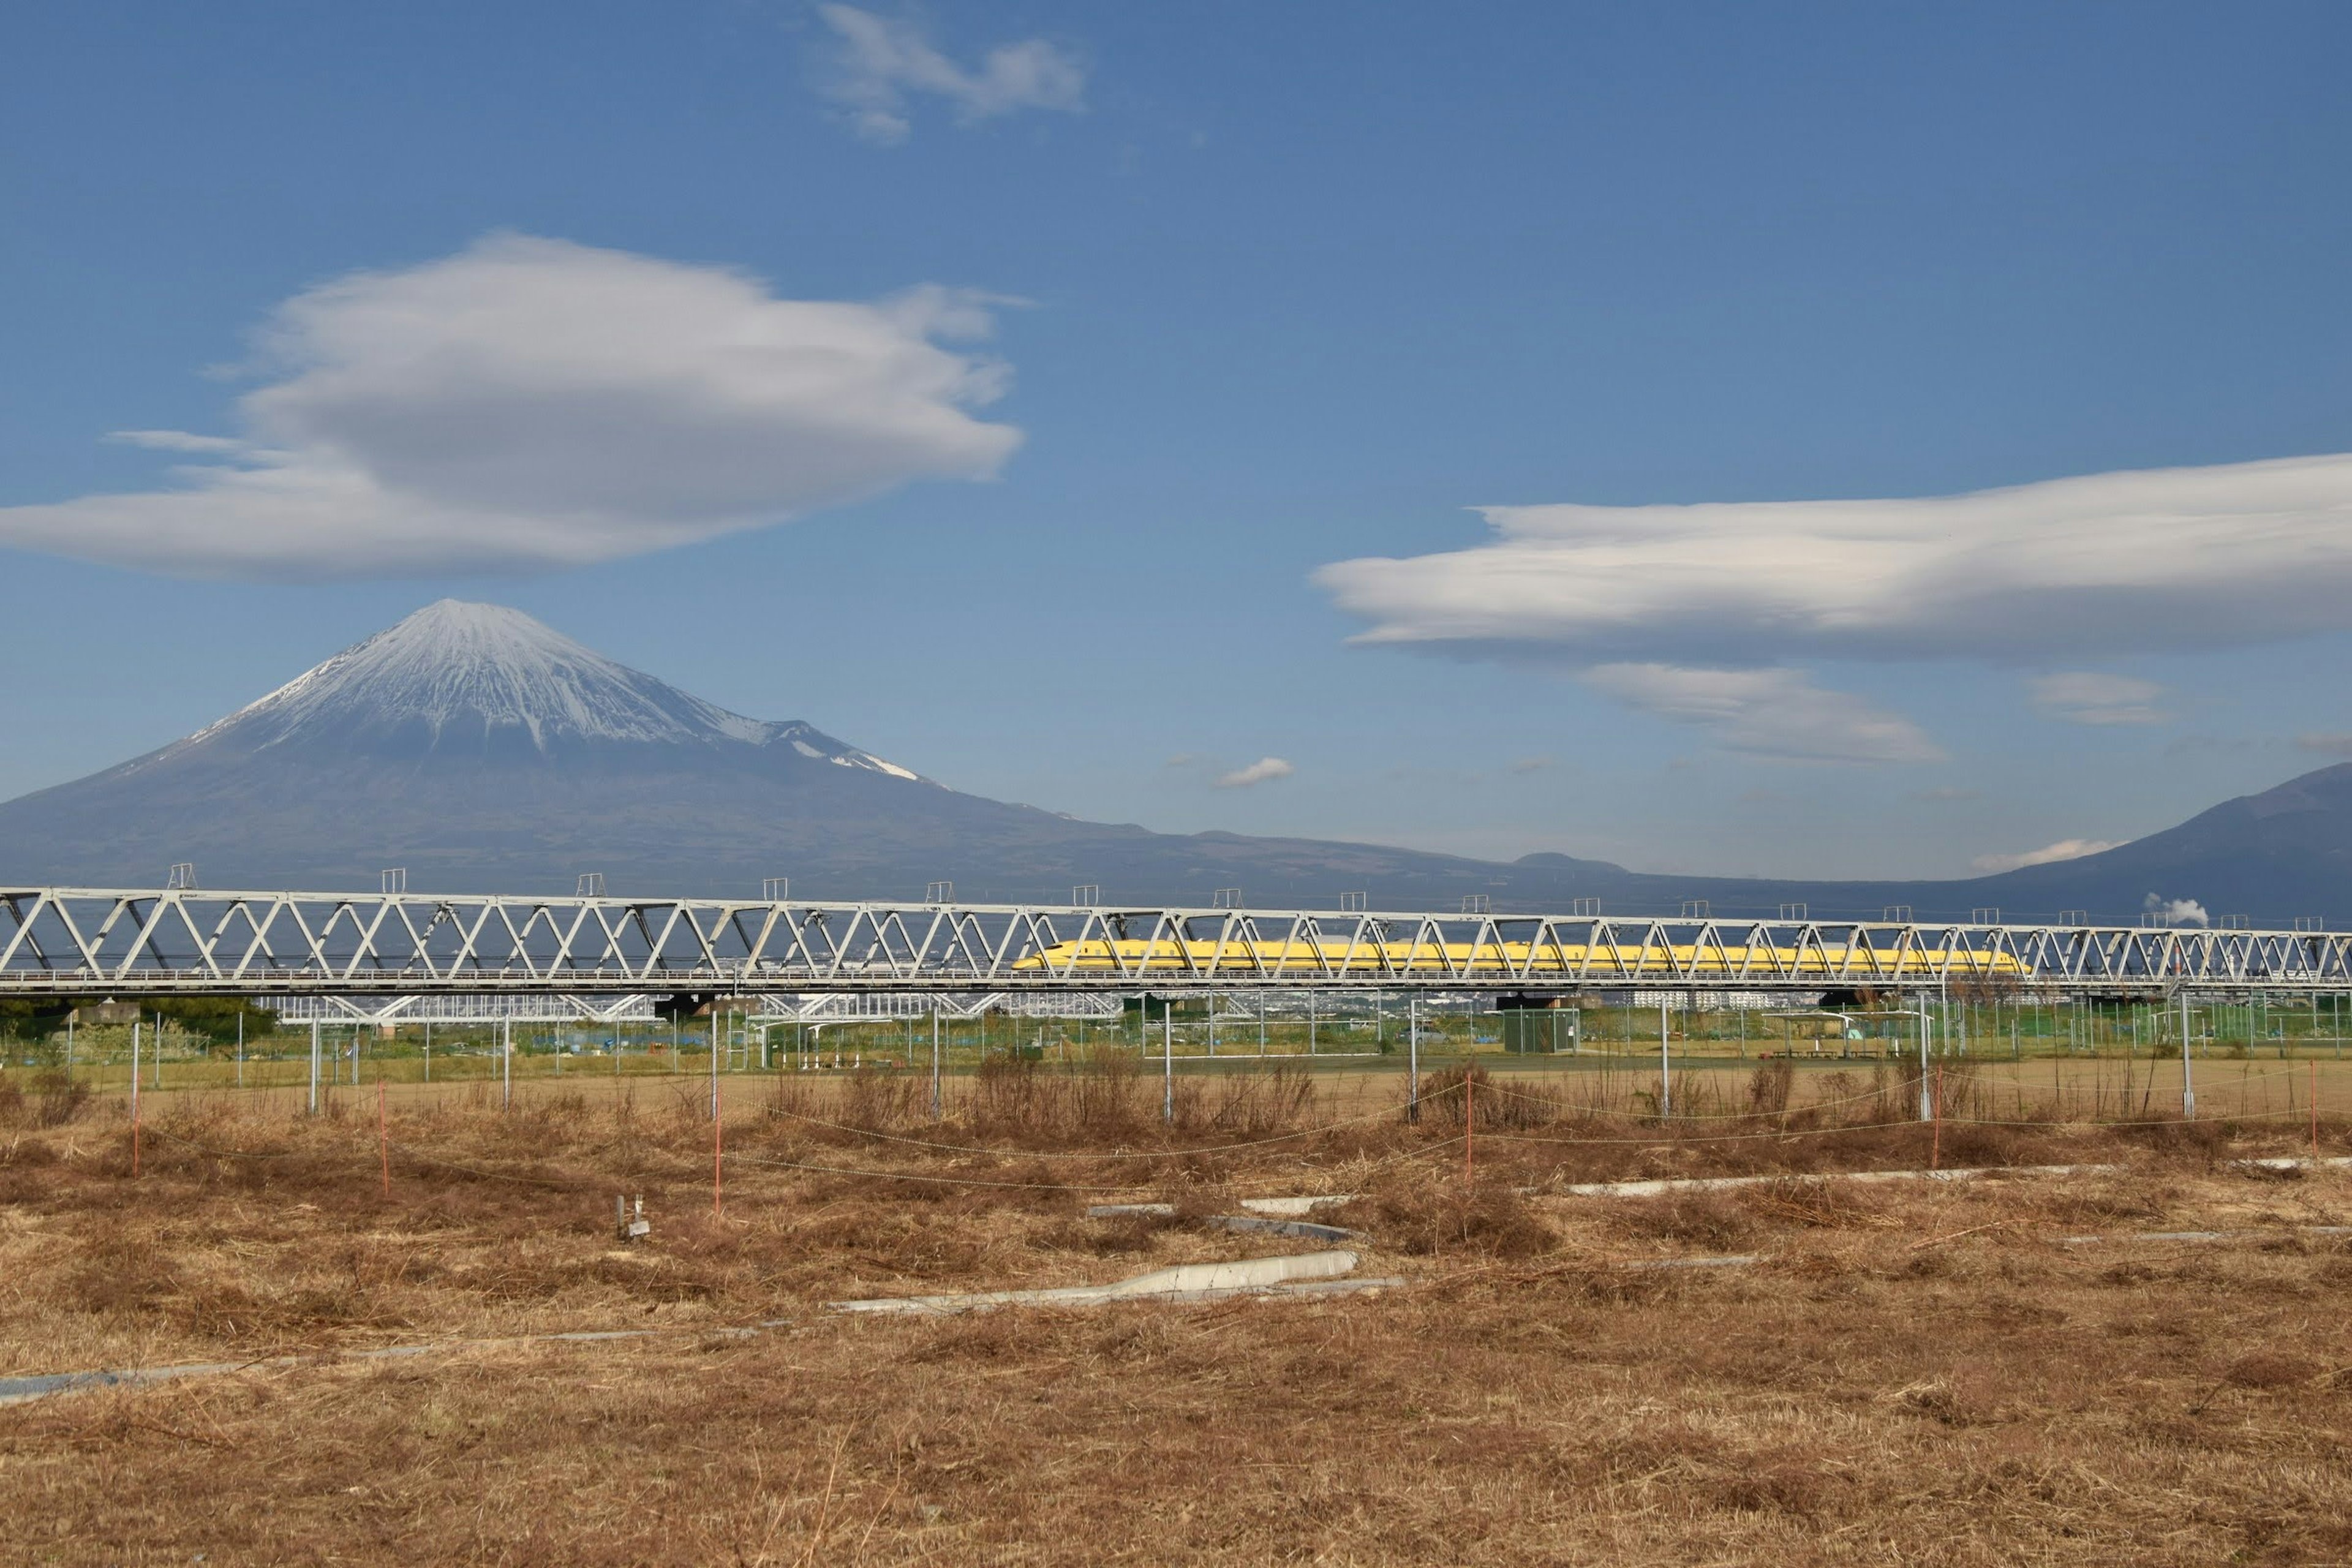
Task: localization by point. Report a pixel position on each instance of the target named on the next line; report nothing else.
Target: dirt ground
(1929, 1373)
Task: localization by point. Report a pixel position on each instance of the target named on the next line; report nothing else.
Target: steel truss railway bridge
(357, 954)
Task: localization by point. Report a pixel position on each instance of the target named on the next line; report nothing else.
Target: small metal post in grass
(1936, 1144)
(2187, 1085)
(1413, 1056)
(1666, 1064)
(135, 1096)
(1927, 1098)
(506, 1063)
(935, 1061)
(240, 1047)
(1167, 1060)
(314, 1067)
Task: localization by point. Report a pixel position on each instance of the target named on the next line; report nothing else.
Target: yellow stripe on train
(1508, 957)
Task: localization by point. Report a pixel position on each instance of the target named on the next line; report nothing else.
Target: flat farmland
(2146, 1361)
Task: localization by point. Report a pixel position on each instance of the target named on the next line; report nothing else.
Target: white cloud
(532, 404)
(1257, 773)
(883, 62)
(2244, 554)
(175, 441)
(2064, 849)
(1767, 713)
(2327, 743)
(2091, 697)
(2177, 911)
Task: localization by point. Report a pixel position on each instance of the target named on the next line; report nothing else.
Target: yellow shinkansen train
(1515, 958)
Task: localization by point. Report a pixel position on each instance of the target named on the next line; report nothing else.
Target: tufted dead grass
(1918, 1373)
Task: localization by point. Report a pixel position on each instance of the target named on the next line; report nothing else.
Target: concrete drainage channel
(1305, 1274)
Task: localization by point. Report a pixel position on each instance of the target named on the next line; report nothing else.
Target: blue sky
(1123, 363)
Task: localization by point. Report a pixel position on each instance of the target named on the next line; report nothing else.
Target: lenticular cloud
(529, 403)
(2103, 563)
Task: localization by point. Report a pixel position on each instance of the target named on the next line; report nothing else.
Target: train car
(1326, 957)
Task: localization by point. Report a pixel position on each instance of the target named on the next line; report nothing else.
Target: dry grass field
(1923, 1372)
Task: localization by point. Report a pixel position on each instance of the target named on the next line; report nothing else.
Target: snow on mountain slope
(465, 676)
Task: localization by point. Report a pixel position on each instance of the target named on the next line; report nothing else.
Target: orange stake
(1935, 1108)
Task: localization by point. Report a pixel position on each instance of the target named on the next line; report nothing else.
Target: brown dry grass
(1917, 1373)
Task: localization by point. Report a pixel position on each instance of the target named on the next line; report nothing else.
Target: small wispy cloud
(2064, 849)
(175, 441)
(1530, 764)
(2327, 743)
(2094, 697)
(1262, 771)
(885, 61)
(1945, 792)
(1768, 713)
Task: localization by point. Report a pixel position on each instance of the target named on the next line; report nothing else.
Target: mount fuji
(483, 751)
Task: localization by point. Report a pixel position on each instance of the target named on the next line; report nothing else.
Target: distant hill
(485, 752)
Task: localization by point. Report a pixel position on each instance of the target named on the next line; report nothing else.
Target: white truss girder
(147, 941)
(905, 1007)
(440, 1007)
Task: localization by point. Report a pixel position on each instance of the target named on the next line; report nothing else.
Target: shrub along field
(1934, 1373)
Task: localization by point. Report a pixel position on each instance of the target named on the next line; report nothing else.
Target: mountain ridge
(484, 750)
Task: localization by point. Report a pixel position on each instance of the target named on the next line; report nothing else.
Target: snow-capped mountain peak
(457, 677)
